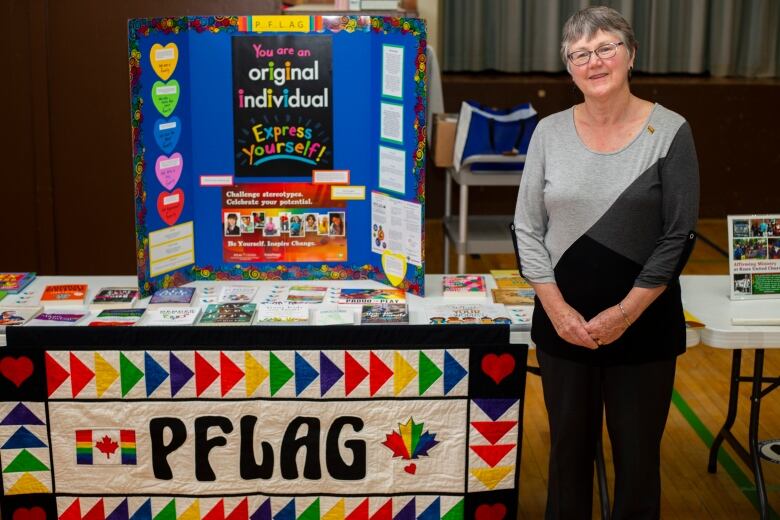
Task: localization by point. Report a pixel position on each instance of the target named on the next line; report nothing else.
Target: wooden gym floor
(697, 413)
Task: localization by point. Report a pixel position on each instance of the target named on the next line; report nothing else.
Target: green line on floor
(743, 482)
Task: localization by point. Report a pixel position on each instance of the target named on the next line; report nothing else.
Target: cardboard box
(444, 126)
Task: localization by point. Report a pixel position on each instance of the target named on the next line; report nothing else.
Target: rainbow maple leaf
(107, 445)
(409, 442)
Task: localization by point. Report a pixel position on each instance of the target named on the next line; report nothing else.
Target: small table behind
(707, 297)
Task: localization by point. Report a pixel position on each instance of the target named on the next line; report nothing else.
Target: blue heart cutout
(168, 137)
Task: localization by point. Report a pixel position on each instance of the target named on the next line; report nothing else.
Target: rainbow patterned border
(139, 28)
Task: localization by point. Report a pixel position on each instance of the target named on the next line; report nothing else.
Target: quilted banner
(425, 429)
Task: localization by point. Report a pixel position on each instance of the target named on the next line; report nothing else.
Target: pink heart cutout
(170, 205)
(498, 367)
(168, 169)
(16, 370)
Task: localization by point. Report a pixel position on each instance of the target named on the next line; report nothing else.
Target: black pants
(636, 400)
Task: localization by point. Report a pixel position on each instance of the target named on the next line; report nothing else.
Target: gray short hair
(588, 21)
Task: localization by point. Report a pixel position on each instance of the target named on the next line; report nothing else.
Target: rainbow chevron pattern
(262, 508)
(233, 374)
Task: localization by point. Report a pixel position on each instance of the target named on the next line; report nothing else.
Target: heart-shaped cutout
(170, 205)
(411, 468)
(165, 96)
(16, 370)
(167, 133)
(498, 367)
(168, 169)
(490, 512)
(164, 59)
(34, 513)
(394, 266)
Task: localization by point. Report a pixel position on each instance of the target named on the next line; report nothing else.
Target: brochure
(754, 259)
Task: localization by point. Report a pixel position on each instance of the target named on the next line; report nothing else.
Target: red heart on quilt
(411, 468)
(491, 512)
(498, 367)
(16, 370)
(170, 205)
(34, 513)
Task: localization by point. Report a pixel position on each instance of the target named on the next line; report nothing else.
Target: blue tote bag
(485, 130)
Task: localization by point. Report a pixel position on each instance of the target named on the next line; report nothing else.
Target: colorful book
(117, 318)
(13, 283)
(13, 317)
(384, 314)
(114, 298)
(467, 314)
(509, 279)
(463, 286)
(3, 295)
(514, 296)
(57, 319)
(228, 314)
(64, 295)
(172, 296)
(165, 316)
(368, 296)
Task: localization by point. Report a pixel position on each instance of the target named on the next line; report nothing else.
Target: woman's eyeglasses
(605, 51)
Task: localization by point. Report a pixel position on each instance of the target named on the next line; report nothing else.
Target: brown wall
(67, 185)
(734, 125)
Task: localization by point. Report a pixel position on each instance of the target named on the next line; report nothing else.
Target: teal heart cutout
(165, 96)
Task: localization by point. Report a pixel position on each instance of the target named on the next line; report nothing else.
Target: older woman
(605, 218)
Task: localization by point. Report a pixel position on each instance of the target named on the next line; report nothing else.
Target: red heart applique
(491, 512)
(498, 367)
(411, 468)
(35, 513)
(170, 205)
(16, 370)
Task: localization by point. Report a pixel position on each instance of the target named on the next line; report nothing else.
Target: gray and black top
(598, 224)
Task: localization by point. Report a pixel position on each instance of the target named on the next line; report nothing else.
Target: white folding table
(707, 298)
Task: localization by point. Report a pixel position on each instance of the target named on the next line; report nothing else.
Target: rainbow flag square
(83, 446)
(127, 446)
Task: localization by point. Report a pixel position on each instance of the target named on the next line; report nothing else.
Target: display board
(754, 256)
(278, 147)
(430, 429)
